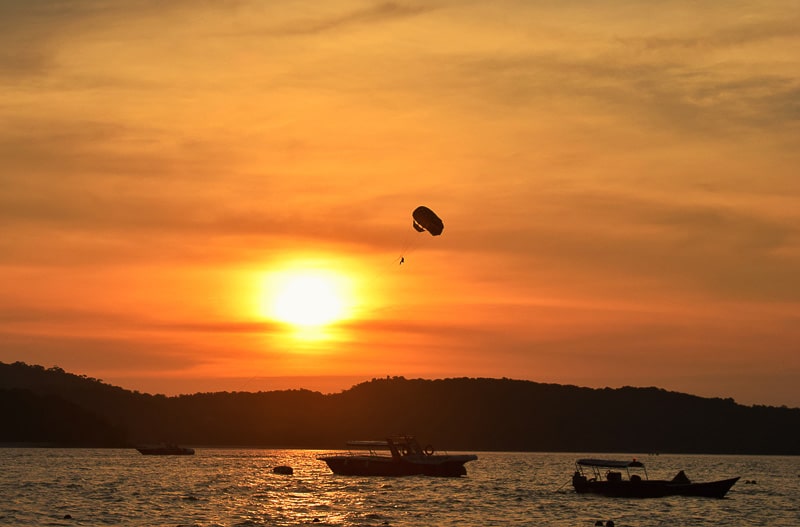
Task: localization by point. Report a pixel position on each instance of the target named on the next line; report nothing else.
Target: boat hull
(440, 466)
(653, 488)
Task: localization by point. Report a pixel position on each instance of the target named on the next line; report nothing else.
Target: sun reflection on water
(237, 488)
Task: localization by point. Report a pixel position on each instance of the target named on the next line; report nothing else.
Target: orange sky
(618, 181)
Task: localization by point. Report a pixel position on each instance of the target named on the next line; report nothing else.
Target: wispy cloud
(379, 13)
(743, 33)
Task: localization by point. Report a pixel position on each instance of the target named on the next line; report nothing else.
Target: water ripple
(236, 488)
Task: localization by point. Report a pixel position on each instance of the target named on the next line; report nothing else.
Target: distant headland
(50, 407)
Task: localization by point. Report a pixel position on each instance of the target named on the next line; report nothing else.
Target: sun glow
(307, 298)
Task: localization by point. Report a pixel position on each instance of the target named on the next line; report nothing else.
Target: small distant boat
(165, 449)
(406, 458)
(605, 476)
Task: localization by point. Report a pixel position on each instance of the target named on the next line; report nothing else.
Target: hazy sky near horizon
(619, 183)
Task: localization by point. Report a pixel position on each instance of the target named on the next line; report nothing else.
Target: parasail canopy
(427, 220)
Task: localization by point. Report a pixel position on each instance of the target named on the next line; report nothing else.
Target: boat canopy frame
(398, 446)
(596, 466)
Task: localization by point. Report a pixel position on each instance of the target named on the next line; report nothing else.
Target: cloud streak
(379, 13)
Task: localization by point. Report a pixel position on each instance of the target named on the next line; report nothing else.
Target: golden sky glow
(618, 182)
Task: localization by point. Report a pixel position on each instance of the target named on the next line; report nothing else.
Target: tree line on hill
(51, 406)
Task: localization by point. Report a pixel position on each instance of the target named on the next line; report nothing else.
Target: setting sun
(307, 297)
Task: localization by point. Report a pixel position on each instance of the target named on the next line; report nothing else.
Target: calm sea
(218, 487)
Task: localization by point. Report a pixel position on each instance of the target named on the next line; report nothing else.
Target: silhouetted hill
(49, 419)
(459, 414)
